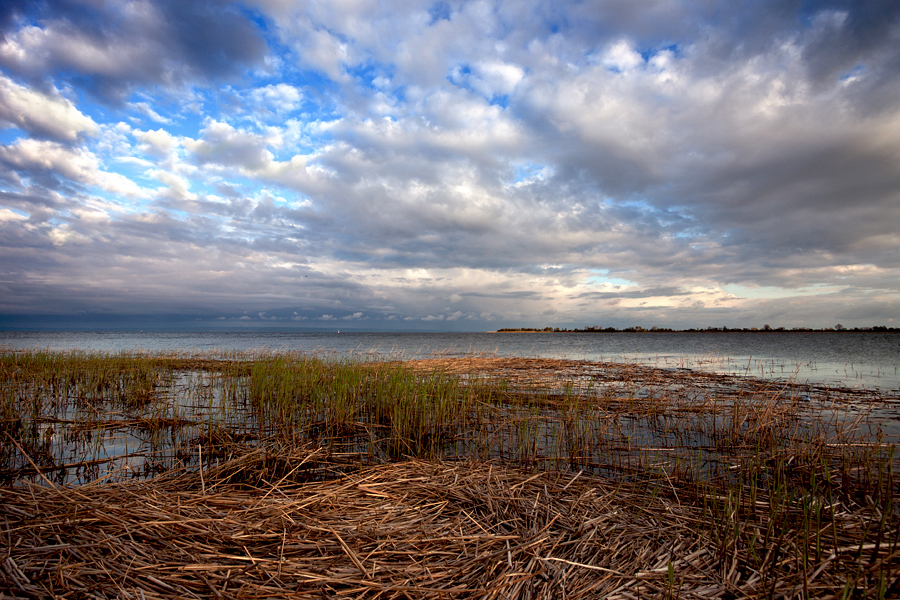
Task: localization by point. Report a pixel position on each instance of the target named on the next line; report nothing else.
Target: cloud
(177, 187)
(51, 164)
(159, 143)
(851, 34)
(7, 215)
(455, 164)
(279, 98)
(494, 78)
(222, 144)
(145, 109)
(42, 115)
(116, 46)
(620, 56)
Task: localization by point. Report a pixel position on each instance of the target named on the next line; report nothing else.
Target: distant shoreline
(764, 329)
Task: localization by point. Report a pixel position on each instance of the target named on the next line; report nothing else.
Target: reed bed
(424, 529)
(289, 475)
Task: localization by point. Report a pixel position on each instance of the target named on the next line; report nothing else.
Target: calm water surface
(857, 360)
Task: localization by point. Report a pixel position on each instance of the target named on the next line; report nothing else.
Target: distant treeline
(639, 329)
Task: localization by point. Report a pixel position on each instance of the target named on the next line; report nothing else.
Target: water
(93, 439)
(868, 361)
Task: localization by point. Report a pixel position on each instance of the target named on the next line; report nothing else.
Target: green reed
(757, 447)
(300, 397)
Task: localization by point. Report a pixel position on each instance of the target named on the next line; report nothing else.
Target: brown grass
(303, 525)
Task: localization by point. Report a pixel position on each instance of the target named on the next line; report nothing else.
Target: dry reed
(410, 529)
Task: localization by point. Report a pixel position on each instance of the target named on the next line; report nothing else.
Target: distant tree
(838, 327)
(767, 327)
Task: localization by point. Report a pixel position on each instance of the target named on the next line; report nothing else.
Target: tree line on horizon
(655, 329)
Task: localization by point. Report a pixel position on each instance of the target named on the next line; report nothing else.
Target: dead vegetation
(423, 529)
(487, 478)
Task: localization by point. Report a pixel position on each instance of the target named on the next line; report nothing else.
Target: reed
(307, 474)
(426, 529)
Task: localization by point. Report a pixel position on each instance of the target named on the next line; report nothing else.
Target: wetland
(301, 474)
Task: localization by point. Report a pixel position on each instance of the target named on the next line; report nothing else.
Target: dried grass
(301, 524)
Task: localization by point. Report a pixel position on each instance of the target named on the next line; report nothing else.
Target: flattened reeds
(416, 529)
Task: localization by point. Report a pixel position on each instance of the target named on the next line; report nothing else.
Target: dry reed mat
(581, 374)
(306, 525)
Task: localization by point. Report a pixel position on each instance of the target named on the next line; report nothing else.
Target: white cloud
(325, 52)
(41, 114)
(621, 56)
(159, 143)
(279, 98)
(496, 78)
(33, 48)
(37, 157)
(145, 109)
(7, 215)
(222, 144)
(177, 187)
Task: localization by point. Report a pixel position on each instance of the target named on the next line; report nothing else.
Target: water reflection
(847, 359)
(604, 417)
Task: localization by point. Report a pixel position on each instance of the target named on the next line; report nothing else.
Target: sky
(446, 165)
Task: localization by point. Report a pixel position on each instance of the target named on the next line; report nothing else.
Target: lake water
(81, 440)
(846, 359)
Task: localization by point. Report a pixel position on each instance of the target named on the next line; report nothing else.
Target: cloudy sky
(449, 165)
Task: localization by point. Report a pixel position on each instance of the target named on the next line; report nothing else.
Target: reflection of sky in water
(93, 441)
(856, 360)
(117, 446)
(833, 374)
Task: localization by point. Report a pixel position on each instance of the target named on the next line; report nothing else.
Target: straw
(410, 529)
